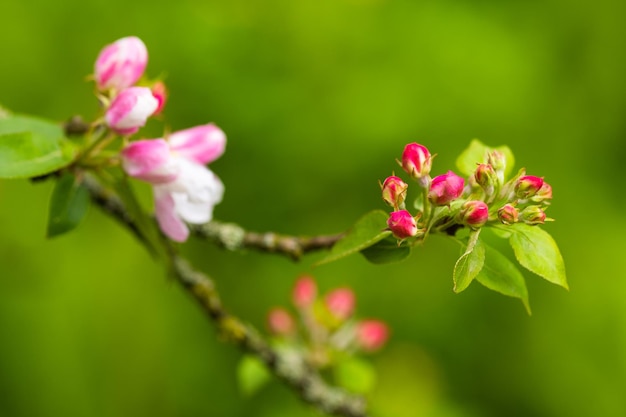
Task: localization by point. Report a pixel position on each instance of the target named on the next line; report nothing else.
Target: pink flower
(371, 335)
(130, 110)
(121, 64)
(202, 144)
(184, 189)
(340, 302)
(280, 322)
(394, 191)
(416, 160)
(402, 224)
(446, 188)
(474, 213)
(304, 292)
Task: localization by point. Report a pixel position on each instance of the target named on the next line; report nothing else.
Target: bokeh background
(318, 98)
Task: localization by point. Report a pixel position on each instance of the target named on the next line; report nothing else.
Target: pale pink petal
(166, 215)
(130, 110)
(202, 144)
(121, 64)
(150, 160)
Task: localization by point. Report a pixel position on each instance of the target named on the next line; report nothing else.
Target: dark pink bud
(485, 176)
(280, 322)
(402, 224)
(371, 335)
(474, 213)
(159, 91)
(445, 188)
(340, 302)
(416, 160)
(394, 191)
(508, 214)
(304, 292)
(533, 215)
(528, 185)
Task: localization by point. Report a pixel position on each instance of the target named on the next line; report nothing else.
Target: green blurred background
(317, 99)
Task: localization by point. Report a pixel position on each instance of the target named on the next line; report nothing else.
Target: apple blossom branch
(287, 366)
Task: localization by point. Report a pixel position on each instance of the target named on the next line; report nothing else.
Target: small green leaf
(470, 263)
(367, 231)
(68, 205)
(501, 275)
(537, 251)
(476, 153)
(355, 375)
(386, 251)
(252, 375)
(31, 147)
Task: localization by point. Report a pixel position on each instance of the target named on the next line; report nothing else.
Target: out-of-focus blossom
(120, 64)
(130, 110)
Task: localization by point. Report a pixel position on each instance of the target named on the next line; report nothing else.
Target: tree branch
(289, 367)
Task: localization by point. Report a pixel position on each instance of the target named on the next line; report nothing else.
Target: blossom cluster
(185, 190)
(324, 327)
(448, 201)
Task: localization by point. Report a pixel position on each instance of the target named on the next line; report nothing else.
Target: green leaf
(537, 251)
(252, 375)
(367, 231)
(501, 275)
(355, 375)
(31, 147)
(470, 263)
(476, 153)
(68, 205)
(386, 251)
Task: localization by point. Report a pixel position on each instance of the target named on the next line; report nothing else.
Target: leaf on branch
(386, 251)
(30, 147)
(537, 251)
(68, 205)
(252, 375)
(476, 153)
(368, 230)
(470, 263)
(501, 275)
(355, 375)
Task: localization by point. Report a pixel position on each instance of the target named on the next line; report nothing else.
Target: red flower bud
(416, 160)
(280, 322)
(527, 186)
(340, 302)
(508, 214)
(485, 176)
(402, 224)
(394, 191)
(371, 335)
(474, 213)
(445, 188)
(304, 292)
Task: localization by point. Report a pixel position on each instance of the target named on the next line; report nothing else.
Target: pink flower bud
(121, 64)
(130, 109)
(508, 214)
(304, 292)
(446, 188)
(533, 215)
(527, 186)
(416, 160)
(371, 335)
(485, 176)
(474, 213)
(544, 193)
(340, 302)
(150, 160)
(159, 91)
(394, 191)
(280, 322)
(202, 144)
(402, 224)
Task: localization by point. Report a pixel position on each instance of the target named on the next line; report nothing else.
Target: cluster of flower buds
(185, 190)
(325, 326)
(447, 202)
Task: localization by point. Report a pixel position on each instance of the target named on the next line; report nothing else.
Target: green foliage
(367, 231)
(477, 152)
(31, 147)
(355, 375)
(252, 375)
(386, 251)
(470, 263)
(536, 251)
(68, 205)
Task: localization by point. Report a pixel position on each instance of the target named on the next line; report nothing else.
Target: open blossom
(185, 190)
(130, 110)
(121, 64)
